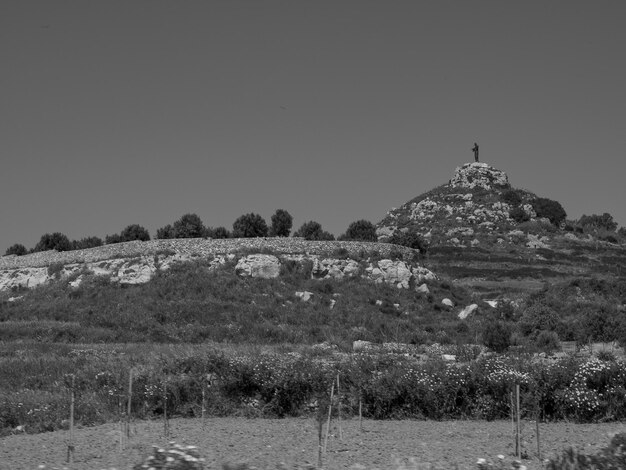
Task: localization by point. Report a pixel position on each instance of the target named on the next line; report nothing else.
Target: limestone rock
(447, 302)
(478, 175)
(258, 265)
(467, 311)
(305, 296)
(395, 272)
(422, 288)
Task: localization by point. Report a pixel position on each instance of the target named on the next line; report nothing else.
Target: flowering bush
(174, 457)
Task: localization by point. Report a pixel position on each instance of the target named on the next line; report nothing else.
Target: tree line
(190, 225)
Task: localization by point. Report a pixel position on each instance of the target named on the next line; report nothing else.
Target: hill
(502, 241)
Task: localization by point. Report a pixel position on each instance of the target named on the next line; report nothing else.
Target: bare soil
(264, 443)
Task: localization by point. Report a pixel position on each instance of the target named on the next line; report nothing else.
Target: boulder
(422, 288)
(305, 296)
(395, 272)
(258, 265)
(467, 311)
(447, 302)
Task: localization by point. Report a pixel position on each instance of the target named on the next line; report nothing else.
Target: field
(265, 443)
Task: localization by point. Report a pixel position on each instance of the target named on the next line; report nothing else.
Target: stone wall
(199, 247)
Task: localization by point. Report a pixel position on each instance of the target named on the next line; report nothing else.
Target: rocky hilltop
(482, 232)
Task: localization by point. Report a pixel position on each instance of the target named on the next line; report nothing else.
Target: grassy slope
(190, 303)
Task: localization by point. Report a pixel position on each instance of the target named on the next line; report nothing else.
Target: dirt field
(266, 443)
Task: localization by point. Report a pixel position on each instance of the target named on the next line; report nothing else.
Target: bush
(313, 231)
(55, 241)
(87, 242)
(360, 230)
(519, 215)
(219, 232)
(409, 239)
(18, 249)
(511, 197)
(611, 457)
(549, 209)
(189, 226)
(281, 223)
(604, 222)
(165, 233)
(250, 226)
(134, 232)
(497, 336)
(548, 341)
(112, 239)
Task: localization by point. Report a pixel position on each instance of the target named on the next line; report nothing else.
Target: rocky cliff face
(139, 269)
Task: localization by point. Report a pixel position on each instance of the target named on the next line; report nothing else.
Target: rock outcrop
(258, 265)
(479, 175)
(140, 269)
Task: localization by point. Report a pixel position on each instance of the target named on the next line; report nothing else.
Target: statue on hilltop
(475, 150)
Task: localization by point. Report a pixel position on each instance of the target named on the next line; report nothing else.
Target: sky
(119, 112)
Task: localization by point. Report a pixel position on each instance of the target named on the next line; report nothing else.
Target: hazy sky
(139, 111)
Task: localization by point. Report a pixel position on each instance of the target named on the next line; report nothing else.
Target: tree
(53, 241)
(250, 226)
(87, 242)
(189, 226)
(281, 223)
(17, 249)
(219, 232)
(551, 210)
(165, 233)
(313, 231)
(112, 239)
(361, 230)
(134, 232)
(604, 221)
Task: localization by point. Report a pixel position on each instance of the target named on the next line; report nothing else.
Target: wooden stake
(518, 440)
(339, 409)
(70, 446)
(166, 430)
(119, 412)
(130, 396)
(330, 407)
(360, 414)
(320, 425)
(537, 430)
(203, 403)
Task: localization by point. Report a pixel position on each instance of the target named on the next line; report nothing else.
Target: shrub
(189, 226)
(55, 241)
(611, 457)
(172, 457)
(87, 242)
(361, 230)
(519, 215)
(112, 239)
(219, 232)
(134, 232)
(165, 233)
(409, 239)
(604, 221)
(281, 223)
(250, 226)
(497, 336)
(18, 249)
(313, 231)
(511, 197)
(549, 209)
(547, 341)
